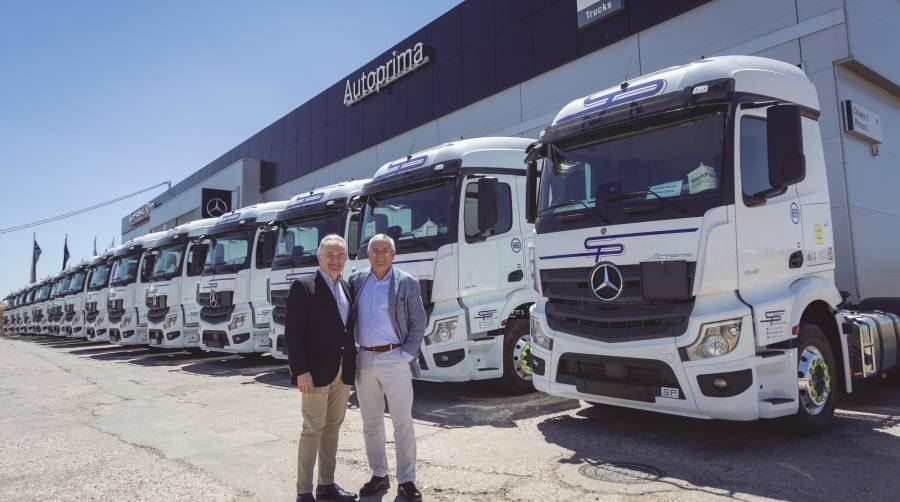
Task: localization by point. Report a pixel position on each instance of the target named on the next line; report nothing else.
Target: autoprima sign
(141, 214)
(401, 64)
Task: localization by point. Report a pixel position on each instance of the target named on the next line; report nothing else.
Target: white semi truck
(73, 306)
(234, 310)
(58, 289)
(683, 251)
(126, 310)
(173, 315)
(300, 226)
(39, 307)
(97, 296)
(456, 214)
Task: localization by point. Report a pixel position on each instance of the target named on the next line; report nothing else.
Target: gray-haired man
(390, 325)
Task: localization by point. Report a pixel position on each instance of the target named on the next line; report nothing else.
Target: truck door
(769, 232)
(490, 262)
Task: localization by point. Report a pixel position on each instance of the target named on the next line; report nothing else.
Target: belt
(382, 348)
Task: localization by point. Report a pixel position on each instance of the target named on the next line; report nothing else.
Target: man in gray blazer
(390, 325)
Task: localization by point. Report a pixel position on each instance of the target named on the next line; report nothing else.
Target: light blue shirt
(373, 321)
(340, 298)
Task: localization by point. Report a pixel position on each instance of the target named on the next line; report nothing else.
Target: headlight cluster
(170, 321)
(126, 321)
(444, 330)
(237, 321)
(716, 339)
(538, 337)
(99, 321)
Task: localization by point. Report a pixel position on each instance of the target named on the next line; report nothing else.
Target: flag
(95, 245)
(65, 251)
(113, 243)
(35, 254)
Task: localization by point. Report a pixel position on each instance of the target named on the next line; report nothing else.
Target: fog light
(243, 337)
(720, 383)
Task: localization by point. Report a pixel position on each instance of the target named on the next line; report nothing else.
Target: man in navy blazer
(390, 325)
(322, 358)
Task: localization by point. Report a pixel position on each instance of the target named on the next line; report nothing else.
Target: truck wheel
(816, 380)
(516, 346)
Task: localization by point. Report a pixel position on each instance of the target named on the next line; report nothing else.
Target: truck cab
(57, 303)
(74, 301)
(308, 218)
(95, 305)
(234, 310)
(126, 309)
(39, 310)
(456, 215)
(27, 317)
(684, 254)
(173, 315)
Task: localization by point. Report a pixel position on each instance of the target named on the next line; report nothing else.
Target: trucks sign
(591, 12)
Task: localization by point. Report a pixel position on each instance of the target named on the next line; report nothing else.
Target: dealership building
(506, 67)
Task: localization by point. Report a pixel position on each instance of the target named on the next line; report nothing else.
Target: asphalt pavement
(93, 421)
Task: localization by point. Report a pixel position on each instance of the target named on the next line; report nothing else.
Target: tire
(516, 342)
(817, 381)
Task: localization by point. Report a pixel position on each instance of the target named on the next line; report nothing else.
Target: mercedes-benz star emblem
(606, 281)
(213, 299)
(216, 207)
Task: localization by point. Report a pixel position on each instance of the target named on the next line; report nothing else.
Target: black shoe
(375, 486)
(335, 493)
(306, 497)
(409, 491)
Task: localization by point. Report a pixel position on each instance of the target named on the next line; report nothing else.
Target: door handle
(515, 276)
(796, 259)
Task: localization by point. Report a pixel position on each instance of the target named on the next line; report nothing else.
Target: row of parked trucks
(666, 245)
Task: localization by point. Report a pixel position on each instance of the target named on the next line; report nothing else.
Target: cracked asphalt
(82, 421)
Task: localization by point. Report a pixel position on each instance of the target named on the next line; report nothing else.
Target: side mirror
(488, 204)
(268, 239)
(784, 138)
(531, 182)
(198, 258)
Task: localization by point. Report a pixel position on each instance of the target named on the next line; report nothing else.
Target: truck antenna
(413, 145)
(625, 78)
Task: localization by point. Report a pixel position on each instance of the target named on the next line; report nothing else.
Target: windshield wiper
(415, 240)
(639, 193)
(567, 203)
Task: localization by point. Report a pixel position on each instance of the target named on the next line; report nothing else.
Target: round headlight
(443, 334)
(715, 345)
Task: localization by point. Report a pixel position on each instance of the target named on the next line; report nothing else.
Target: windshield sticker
(670, 189)
(702, 178)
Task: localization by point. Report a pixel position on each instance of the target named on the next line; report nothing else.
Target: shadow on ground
(764, 458)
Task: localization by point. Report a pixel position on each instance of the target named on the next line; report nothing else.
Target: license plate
(669, 392)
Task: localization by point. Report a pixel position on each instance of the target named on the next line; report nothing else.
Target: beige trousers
(323, 412)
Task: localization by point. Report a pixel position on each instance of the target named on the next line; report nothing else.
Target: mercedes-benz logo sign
(606, 281)
(213, 299)
(216, 207)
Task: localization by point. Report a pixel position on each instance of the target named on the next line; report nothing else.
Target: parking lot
(82, 421)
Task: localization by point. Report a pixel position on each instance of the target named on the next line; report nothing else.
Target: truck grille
(618, 377)
(573, 309)
(116, 309)
(222, 310)
(90, 312)
(157, 307)
(279, 301)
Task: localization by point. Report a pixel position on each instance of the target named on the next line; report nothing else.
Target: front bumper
(244, 339)
(176, 336)
(649, 374)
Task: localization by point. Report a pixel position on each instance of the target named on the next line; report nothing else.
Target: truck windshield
(64, 286)
(168, 263)
(100, 277)
(125, 270)
(43, 293)
(417, 218)
(667, 170)
(77, 283)
(228, 254)
(298, 240)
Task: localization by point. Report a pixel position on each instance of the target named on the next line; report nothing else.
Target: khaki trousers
(323, 412)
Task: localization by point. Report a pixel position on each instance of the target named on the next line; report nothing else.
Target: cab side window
(754, 157)
(504, 219)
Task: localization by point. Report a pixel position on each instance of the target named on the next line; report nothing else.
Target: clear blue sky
(102, 98)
